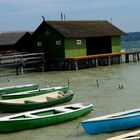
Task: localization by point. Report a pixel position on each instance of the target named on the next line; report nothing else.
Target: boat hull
(110, 125)
(34, 93)
(135, 135)
(16, 107)
(12, 125)
(15, 89)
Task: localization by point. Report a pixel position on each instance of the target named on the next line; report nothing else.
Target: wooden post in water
(69, 65)
(109, 60)
(97, 82)
(96, 62)
(76, 65)
(134, 57)
(120, 59)
(127, 58)
(42, 67)
(21, 70)
(21, 65)
(138, 58)
(68, 81)
(17, 73)
(43, 63)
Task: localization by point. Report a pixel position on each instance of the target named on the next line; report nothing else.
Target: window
(78, 42)
(58, 42)
(39, 44)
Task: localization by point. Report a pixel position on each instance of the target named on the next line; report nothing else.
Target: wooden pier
(22, 61)
(101, 59)
(30, 61)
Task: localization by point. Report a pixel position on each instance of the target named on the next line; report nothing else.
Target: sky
(26, 15)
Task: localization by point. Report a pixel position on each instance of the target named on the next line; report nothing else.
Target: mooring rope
(75, 129)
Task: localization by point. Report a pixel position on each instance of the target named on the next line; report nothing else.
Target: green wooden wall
(116, 44)
(74, 50)
(52, 42)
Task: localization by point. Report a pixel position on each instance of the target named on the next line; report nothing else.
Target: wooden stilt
(138, 58)
(76, 65)
(120, 59)
(126, 58)
(69, 65)
(43, 67)
(96, 62)
(21, 70)
(106, 61)
(109, 61)
(17, 73)
(134, 57)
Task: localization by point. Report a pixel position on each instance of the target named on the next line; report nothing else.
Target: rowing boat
(113, 122)
(18, 88)
(135, 135)
(43, 117)
(35, 102)
(36, 92)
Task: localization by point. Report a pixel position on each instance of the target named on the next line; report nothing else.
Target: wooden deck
(106, 59)
(20, 61)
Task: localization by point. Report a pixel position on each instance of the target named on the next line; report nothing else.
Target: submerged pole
(97, 82)
(68, 81)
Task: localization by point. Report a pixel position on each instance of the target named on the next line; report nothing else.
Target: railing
(19, 61)
(21, 58)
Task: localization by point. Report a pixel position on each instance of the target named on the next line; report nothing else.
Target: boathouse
(11, 42)
(66, 42)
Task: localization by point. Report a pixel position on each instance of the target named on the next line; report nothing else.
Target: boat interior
(126, 114)
(46, 112)
(36, 99)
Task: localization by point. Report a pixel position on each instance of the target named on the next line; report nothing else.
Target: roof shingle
(89, 28)
(10, 38)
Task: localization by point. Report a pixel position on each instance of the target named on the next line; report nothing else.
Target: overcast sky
(21, 15)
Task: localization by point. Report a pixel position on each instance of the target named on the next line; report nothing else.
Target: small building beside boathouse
(18, 41)
(62, 41)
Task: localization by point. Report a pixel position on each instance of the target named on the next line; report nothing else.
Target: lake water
(107, 98)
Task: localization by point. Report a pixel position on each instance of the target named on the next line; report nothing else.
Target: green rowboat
(36, 92)
(43, 117)
(18, 88)
(35, 102)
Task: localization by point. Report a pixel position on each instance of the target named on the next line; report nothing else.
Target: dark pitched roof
(10, 38)
(88, 28)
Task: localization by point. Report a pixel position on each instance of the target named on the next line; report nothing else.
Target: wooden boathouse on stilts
(65, 45)
(78, 44)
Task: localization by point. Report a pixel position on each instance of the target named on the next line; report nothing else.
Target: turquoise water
(107, 98)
